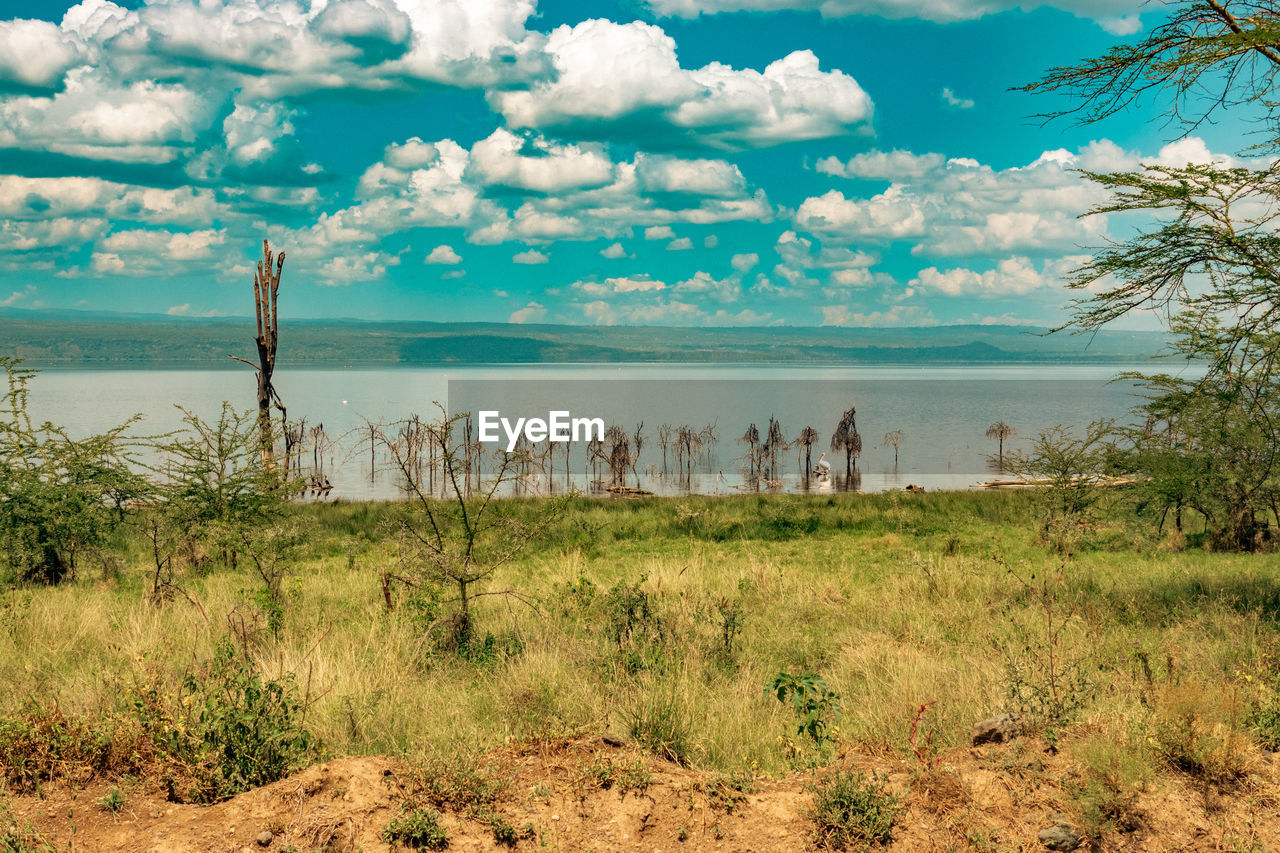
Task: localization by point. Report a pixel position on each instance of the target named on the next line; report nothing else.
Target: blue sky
(798, 162)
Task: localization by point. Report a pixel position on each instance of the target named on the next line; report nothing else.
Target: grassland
(895, 600)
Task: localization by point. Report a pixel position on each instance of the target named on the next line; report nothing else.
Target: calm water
(943, 412)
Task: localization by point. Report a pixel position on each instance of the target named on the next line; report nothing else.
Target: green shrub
(850, 810)
(244, 731)
(16, 838)
(418, 828)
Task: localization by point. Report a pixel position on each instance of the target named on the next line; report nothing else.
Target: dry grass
(894, 600)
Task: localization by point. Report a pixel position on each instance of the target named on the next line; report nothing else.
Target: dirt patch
(589, 795)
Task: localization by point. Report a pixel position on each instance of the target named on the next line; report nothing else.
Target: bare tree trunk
(266, 287)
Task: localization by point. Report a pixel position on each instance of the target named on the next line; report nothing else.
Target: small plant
(731, 619)
(113, 801)
(1117, 770)
(850, 810)
(817, 707)
(661, 724)
(20, 838)
(926, 753)
(245, 731)
(418, 828)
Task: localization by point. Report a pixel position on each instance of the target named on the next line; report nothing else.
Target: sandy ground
(990, 798)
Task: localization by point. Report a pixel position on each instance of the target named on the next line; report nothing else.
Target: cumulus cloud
(421, 183)
(897, 315)
(609, 76)
(531, 313)
(1016, 276)
(1118, 17)
(613, 251)
(34, 55)
(533, 163)
(680, 244)
(951, 99)
(531, 256)
(745, 261)
(961, 207)
(443, 255)
(18, 296)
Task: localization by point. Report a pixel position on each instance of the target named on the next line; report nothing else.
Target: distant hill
(76, 339)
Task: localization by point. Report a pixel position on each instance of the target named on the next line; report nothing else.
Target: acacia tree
(60, 497)
(1208, 258)
(462, 536)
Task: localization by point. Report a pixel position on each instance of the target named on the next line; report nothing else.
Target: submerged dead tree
(266, 287)
(846, 438)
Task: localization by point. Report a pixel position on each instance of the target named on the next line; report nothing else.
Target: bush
(850, 810)
(418, 828)
(245, 731)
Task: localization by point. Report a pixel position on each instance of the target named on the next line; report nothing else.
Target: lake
(943, 412)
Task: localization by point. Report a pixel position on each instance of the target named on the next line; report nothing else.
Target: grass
(893, 600)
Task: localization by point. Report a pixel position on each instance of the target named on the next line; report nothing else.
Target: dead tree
(773, 443)
(893, 439)
(846, 438)
(807, 439)
(266, 286)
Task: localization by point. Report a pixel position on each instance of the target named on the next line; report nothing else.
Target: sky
(644, 162)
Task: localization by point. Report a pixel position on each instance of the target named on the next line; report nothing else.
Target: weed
(660, 722)
(418, 828)
(113, 801)
(817, 707)
(1116, 771)
(1195, 731)
(245, 731)
(20, 838)
(850, 810)
(926, 753)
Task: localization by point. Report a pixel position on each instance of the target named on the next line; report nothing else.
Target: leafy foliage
(817, 707)
(852, 811)
(60, 497)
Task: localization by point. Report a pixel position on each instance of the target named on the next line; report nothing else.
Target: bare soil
(991, 798)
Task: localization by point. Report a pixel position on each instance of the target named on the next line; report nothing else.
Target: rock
(998, 729)
(265, 838)
(1060, 837)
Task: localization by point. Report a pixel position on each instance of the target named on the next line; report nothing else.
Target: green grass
(894, 600)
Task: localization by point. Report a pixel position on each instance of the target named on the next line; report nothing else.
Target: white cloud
(613, 251)
(150, 252)
(531, 256)
(1118, 17)
(443, 255)
(1015, 276)
(547, 167)
(961, 207)
(952, 100)
(531, 313)
(18, 296)
(893, 165)
(366, 266)
(185, 310)
(898, 315)
(35, 54)
(723, 290)
(710, 241)
(659, 232)
(745, 261)
(622, 73)
(680, 244)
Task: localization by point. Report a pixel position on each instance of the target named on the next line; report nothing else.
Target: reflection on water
(942, 412)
